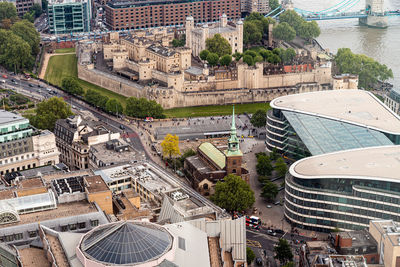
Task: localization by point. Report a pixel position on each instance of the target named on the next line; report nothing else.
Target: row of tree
(275, 56)
(368, 70)
(19, 40)
(292, 24)
(218, 51)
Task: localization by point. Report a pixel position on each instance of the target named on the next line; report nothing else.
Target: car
(269, 206)
(277, 203)
(271, 232)
(39, 86)
(30, 85)
(4, 76)
(279, 231)
(122, 127)
(13, 80)
(259, 261)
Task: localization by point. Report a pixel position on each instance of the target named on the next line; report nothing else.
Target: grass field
(63, 66)
(214, 110)
(65, 50)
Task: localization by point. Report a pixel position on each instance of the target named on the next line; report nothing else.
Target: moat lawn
(65, 50)
(205, 111)
(63, 66)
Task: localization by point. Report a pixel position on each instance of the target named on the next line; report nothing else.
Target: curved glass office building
(316, 123)
(344, 189)
(345, 143)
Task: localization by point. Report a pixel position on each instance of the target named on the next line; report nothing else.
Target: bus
(253, 222)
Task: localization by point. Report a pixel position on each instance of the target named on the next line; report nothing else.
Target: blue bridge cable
(272, 11)
(274, 16)
(335, 7)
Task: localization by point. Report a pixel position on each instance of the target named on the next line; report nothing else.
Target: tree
(26, 30)
(37, 10)
(29, 16)
(142, 108)
(114, 106)
(274, 154)
(178, 42)
(248, 59)
(250, 255)
(368, 70)
(237, 56)
(273, 4)
(288, 55)
(204, 53)
(49, 111)
(259, 118)
(283, 251)
(212, 59)
(292, 18)
(170, 146)
(283, 31)
(72, 86)
(308, 30)
(6, 23)
(269, 190)
(233, 194)
(225, 60)
(218, 45)
(281, 167)
(15, 53)
(264, 166)
(7, 11)
(251, 33)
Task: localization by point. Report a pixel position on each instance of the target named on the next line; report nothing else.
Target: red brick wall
(170, 14)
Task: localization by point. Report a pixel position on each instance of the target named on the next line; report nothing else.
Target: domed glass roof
(126, 243)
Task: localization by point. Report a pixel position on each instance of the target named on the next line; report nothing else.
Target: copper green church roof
(214, 154)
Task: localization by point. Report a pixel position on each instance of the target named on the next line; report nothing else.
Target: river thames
(380, 44)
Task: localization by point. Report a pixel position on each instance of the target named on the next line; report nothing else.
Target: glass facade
(69, 17)
(324, 204)
(300, 135)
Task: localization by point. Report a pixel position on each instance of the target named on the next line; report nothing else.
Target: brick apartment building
(121, 15)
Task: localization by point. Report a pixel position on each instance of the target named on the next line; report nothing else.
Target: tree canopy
(269, 190)
(72, 86)
(303, 29)
(96, 99)
(170, 146)
(255, 27)
(7, 11)
(283, 251)
(283, 31)
(273, 4)
(264, 166)
(203, 54)
(250, 255)
(368, 70)
(218, 45)
(114, 106)
(212, 59)
(49, 111)
(259, 118)
(142, 108)
(225, 60)
(26, 30)
(233, 194)
(281, 167)
(248, 59)
(15, 53)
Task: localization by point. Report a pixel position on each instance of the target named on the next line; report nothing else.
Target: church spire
(233, 141)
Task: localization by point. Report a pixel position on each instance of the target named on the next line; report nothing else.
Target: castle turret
(223, 20)
(189, 26)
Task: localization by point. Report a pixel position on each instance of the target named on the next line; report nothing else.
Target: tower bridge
(373, 15)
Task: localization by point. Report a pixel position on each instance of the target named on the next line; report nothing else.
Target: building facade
(344, 190)
(69, 16)
(387, 234)
(309, 124)
(24, 6)
(392, 100)
(123, 15)
(196, 36)
(75, 135)
(260, 6)
(23, 147)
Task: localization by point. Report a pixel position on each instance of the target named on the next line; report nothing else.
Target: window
(81, 225)
(94, 223)
(32, 234)
(181, 243)
(64, 228)
(72, 226)
(18, 236)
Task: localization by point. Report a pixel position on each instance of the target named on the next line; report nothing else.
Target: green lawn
(214, 110)
(65, 50)
(63, 66)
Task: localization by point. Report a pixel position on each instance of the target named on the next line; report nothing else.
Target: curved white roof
(376, 163)
(353, 106)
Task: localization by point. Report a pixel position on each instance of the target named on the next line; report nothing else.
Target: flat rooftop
(389, 228)
(10, 117)
(360, 238)
(30, 183)
(34, 257)
(382, 163)
(197, 130)
(94, 184)
(353, 106)
(110, 156)
(62, 210)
